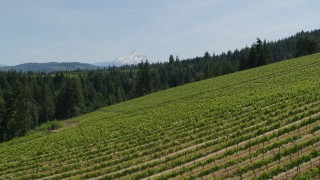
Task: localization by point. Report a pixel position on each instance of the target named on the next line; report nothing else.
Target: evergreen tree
(144, 84)
(171, 59)
(207, 55)
(70, 101)
(266, 54)
(164, 77)
(173, 79)
(307, 44)
(253, 57)
(46, 111)
(259, 55)
(243, 60)
(120, 95)
(155, 81)
(2, 120)
(92, 98)
(177, 59)
(20, 116)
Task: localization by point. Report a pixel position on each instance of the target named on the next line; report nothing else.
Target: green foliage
(32, 98)
(257, 55)
(309, 175)
(255, 121)
(49, 126)
(307, 44)
(144, 79)
(70, 100)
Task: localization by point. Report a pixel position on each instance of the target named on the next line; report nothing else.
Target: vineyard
(260, 123)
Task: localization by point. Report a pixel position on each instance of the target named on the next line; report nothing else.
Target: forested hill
(49, 67)
(261, 123)
(30, 99)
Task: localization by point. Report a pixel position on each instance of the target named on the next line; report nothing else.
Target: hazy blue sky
(100, 30)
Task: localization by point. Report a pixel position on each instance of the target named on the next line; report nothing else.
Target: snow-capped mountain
(134, 58)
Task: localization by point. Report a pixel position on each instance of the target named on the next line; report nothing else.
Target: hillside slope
(262, 122)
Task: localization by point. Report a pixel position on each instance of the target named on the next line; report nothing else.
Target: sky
(102, 30)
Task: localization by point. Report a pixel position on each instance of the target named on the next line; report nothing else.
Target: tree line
(30, 99)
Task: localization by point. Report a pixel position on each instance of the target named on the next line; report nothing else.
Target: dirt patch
(67, 125)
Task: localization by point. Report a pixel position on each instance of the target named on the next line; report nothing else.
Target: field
(260, 123)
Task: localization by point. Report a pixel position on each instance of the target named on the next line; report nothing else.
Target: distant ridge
(49, 67)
